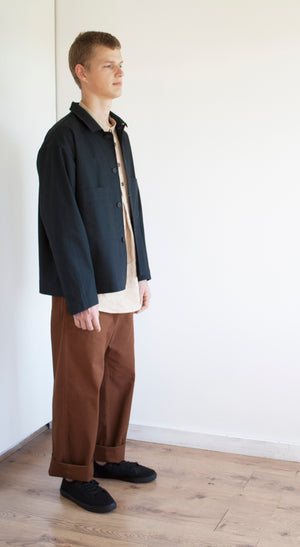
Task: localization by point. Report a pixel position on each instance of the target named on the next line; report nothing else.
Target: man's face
(103, 77)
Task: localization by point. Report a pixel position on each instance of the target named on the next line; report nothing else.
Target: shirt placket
(129, 237)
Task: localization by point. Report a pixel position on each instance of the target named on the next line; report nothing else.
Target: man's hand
(145, 295)
(88, 319)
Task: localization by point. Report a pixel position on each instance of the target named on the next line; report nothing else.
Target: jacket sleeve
(63, 225)
(144, 271)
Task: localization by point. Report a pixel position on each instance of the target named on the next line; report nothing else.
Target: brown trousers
(93, 388)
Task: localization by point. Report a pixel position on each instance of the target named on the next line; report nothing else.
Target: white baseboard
(217, 443)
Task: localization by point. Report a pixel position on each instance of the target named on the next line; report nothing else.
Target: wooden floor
(202, 498)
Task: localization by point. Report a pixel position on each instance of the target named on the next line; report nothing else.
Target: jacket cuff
(77, 304)
(144, 277)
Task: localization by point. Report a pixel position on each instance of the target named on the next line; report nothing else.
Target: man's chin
(117, 91)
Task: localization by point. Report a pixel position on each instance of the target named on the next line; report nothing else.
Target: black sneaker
(88, 495)
(124, 471)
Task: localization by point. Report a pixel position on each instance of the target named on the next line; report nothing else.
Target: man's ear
(81, 73)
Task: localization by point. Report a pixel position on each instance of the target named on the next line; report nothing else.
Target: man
(93, 261)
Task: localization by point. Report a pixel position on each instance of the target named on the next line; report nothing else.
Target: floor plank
(200, 498)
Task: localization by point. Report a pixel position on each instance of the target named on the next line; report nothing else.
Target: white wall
(212, 104)
(27, 111)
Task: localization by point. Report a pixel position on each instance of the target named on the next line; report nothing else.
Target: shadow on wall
(12, 244)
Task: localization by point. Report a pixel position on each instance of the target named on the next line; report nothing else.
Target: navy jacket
(82, 246)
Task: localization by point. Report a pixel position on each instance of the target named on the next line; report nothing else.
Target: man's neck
(99, 106)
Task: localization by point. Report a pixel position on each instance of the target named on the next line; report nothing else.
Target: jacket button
(114, 170)
(119, 204)
(123, 239)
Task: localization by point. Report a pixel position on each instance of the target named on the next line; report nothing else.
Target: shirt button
(114, 170)
(119, 204)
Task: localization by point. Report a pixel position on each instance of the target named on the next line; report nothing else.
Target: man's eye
(107, 66)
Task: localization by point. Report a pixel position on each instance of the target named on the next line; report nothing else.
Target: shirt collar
(85, 117)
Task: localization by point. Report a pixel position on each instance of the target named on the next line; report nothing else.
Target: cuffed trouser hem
(113, 454)
(72, 472)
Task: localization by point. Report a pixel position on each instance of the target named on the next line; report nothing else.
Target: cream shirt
(128, 300)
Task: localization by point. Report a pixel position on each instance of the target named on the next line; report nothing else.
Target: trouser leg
(116, 391)
(79, 363)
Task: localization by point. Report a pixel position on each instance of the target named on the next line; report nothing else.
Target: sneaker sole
(93, 508)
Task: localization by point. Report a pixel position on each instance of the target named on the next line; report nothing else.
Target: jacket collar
(84, 116)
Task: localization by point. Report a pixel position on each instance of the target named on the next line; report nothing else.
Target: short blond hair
(82, 49)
